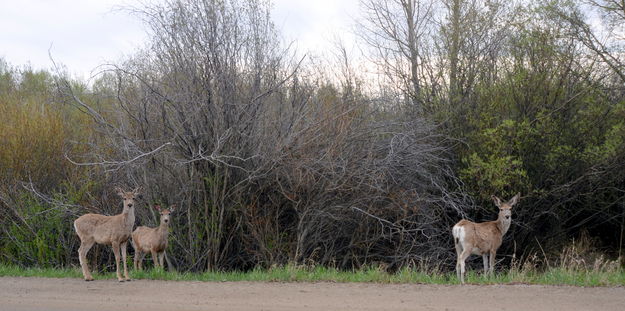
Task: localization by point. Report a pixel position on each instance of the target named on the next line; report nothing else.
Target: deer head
(165, 213)
(505, 208)
(128, 196)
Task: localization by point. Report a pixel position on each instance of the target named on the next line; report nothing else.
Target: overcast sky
(81, 34)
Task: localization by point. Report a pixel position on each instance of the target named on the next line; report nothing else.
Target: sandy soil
(74, 294)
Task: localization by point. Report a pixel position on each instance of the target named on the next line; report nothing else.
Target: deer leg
(136, 256)
(136, 259)
(124, 247)
(161, 257)
(141, 260)
(463, 257)
(155, 258)
(115, 246)
(458, 253)
(492, 261)
(485, 259)
(85, 246)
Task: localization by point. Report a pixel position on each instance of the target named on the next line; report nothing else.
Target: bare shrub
(270, 166)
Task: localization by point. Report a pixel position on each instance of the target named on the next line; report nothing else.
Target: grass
(290, 273)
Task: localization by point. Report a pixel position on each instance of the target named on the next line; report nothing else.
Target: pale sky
(82, 34)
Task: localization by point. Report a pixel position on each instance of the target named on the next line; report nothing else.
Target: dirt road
(74, 294)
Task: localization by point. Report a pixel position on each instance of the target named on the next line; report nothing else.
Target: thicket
(274, 158)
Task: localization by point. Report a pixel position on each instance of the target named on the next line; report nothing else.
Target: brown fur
(482, 238)
(486, 236)
(108, 230)
(152, 240)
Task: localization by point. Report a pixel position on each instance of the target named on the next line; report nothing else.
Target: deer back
(482, 237)
(103, 229)
(147, 239)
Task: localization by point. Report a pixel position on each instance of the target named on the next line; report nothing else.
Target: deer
(482, 238)
(107, 230)
(152, 240)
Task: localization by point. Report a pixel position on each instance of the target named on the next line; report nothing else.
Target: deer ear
(158, 208)
(514, 199)
(172, 208)
(496, 200)
(137, 190)
(119, 191)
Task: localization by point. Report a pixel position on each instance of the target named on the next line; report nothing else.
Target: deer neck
(163, 228)
(128, 215)
(503, 224)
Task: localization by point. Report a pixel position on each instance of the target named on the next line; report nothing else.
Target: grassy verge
(554, 276)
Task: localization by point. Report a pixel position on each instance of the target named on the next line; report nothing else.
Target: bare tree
(472, 37)
(604, 39)
(399, 35)
(270, 165)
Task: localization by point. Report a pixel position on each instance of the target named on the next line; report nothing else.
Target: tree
(268, 166)
(398, 33)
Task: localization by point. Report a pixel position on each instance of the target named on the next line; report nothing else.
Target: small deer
(482, 238)
(152, 240)
(108, 230)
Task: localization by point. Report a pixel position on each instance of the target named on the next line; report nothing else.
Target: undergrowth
(579, 264)
(291, 273)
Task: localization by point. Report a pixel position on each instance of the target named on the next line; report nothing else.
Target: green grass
(554, 276)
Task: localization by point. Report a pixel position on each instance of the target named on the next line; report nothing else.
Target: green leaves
(494, 174)
(496, 165)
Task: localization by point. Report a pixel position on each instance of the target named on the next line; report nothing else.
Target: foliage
(293, 273)
(274, 162)
(548, 126)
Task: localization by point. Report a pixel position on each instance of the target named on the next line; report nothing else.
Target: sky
(82, 34)
(313, 24)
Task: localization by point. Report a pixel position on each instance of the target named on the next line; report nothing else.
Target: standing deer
(152, 240)
(109, 230)
(482, 238)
